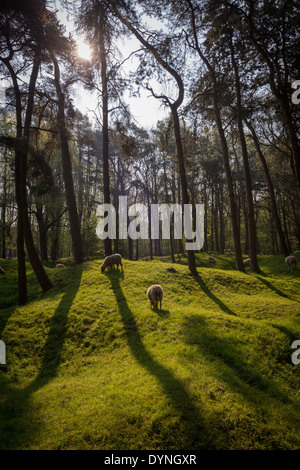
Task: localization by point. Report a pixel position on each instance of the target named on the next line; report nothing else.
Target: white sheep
(111, 260)
(290, 260)
(2, 270)
(60, 265)
(155, 294)
(247, 262)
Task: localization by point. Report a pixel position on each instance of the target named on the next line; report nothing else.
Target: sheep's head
(102, 267)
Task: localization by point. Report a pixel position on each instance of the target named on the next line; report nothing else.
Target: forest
(226, 72)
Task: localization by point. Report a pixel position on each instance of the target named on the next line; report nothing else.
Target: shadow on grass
(193, 430)
(229, 363)
(18, 431)
(212, 296)
(273, 288)
(9, 290)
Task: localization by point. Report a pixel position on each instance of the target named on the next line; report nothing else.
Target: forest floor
(90, 366)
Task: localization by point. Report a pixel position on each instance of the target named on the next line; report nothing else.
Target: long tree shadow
(15, 436)
(212, 296)
(230, 364)
(273, 288)
(196, 435)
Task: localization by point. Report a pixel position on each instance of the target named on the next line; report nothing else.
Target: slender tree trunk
(42, 232)
(55, 243)
(184, 189)
(212, 238)
(67, 170)
(174, 111)
(22, 280)
(225, 152)
(105, 140)
(3, 209)
(233, 209)
(171, 224)
(284, 247)
(221, 218)
(247, 174)
(242, 197)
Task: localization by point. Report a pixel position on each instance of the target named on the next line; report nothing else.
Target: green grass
(90, 366)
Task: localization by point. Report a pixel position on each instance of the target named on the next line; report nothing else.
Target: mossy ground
(90, 366)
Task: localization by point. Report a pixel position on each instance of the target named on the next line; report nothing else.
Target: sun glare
(84, 50)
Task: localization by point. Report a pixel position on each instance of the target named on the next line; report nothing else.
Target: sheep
(111, 260)
(155, 294)
(211, 258)
(290, 260)
(2, 270)
(247, 262)
(60, 265)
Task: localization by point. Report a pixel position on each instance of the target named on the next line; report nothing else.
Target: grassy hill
(90, 366)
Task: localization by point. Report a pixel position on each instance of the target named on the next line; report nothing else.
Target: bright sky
(146, 109)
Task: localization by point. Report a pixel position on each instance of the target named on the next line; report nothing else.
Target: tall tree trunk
(242, 197)
(3, 209)
(21, 152)
(105, 140)
(184, 189)
(171, 224)
(42, 232)
(283, 244)
(67, 170)
(247, 174)
(174, 111)
(225, 152)
(212, 239)
(278, 88)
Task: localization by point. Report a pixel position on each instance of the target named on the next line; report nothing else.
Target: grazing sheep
(111, 260)
(247, 262)
(60, 265)
(290, 260)
(2, 270)
(155, 294)
(211, 258)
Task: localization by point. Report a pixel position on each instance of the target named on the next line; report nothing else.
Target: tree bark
(67, 169)
(248, 183)
(174, 111)
(21, 152)
(283, 244)
(105, 139)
